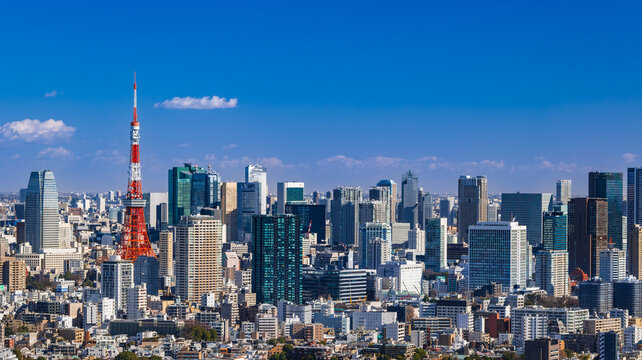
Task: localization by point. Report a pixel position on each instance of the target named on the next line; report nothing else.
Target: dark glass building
(627, 294)
(596, 296)
(277, 256)
(409, 199)
(337, 284)
(146, 272)
(555, 231)
(307, 213)
(587, 233)
(609, 186)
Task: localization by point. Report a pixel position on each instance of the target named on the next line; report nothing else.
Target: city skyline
(467, 94)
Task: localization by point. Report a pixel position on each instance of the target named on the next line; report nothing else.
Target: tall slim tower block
(41, 211)
(609, 186)
(587, 233)
(199, 257)
(563, 191)
(134, 241)
(229, 210)
(473, 204)
(392, 189)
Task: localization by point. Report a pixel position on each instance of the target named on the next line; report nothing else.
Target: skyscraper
(498, 252)
(473, 204)
(41, 211)
(392, 188)
(446, 209)
(372, 211)
(409, 198)
(563, 191)
(277, 257)
(198, 257)
(205, 190)
(436, 243)
(248, 204)
(382, 193)
(152, 202)
(166, 253)
(596, 295)
(612, 264)
(554, 234)
(229, 211)
(551, 272)
(180, 190)
(627, 294)
(310, 216)
(258, 174)
(635, 251)
(608, 185)
(117, 276)
(288, 192)
(344, 215)
(367, 232)
(527, 209)
(146, 269)
(634, 196)
(587, 233)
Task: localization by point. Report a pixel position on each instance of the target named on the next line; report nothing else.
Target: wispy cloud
(183, 145)
(203, 103)
(629, 157)
(35, 130)
(230, 146)
(428, 162)
(56, 153)
(227, 162)
(52, 93)
(109, 156)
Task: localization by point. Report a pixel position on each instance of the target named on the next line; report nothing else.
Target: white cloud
(629, 157)
(204, 103)
(230, 146)
(342, 160)
(52, 93)
(35, 130)
(110, 156)
(56, 153)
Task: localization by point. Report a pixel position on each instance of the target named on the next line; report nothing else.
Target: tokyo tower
(134, 241)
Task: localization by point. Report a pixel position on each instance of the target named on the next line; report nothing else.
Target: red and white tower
(134, 241)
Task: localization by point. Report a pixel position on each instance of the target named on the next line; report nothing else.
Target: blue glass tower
(609, 186)
(555, 235)
(277, 256)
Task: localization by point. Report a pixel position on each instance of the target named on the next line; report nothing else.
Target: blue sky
(330, 93)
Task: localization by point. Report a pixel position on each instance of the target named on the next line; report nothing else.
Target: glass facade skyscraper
(368, 232)
(180, 191)
(554, 234)
(258, 174)
(527, 209)
(310, 216)
(436, 243)
(248, 204)
(41, 211)
(498, 252)
(473, 204)
(288, 192)
(277, 257)
(392, 188)
(409, 198)
(344, 215)
(609, 186)
(634, 196)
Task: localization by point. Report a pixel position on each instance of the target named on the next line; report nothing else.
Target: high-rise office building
(528, 210)
(198, 257)
(587, 233)
(635, 251)
(288, 192)
(634, 196)
(426, 208)
(627, 295)
(493, 213)
(14, 274)
(554, 233)
(609, 186)
(180, 187)
(498, 252)
(311, 217)
(612, 264)
(446, 207)
(409, 198)
(152, 202)
(596, 295)
(392, 188)
(436, 243)
(258, 174)
(166, 253)
(248, 202)
(229, 209)
(551, 272)
(473, 204)
(563, 191)
(146, 271)
(41, 211)
(367, 232)
(277, 257)
(344, 215)
(372, 211)
(117, 276)
(382, 193)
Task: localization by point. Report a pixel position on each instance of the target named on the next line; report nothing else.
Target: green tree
(126, 355)
(419, 354)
